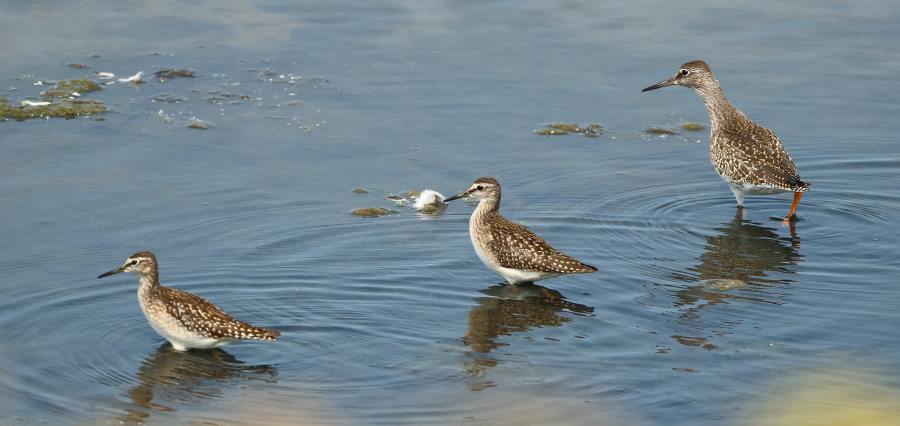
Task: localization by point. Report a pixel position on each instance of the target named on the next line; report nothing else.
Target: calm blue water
(695, 315)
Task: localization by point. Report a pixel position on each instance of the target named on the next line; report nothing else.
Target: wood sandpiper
(508, 248)
(185, 320)
(748, 156)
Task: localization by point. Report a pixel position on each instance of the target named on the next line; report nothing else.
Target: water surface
(697, 312)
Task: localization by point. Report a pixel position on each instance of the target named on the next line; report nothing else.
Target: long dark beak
(457, 196)
(113, 272)
(664, 83)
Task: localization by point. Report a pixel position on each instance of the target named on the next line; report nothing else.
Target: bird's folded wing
(202, 316)
(515, 246)
(754, 155)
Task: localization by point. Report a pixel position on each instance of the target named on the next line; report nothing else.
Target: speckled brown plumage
(748, 156)
(184, 319)
(745, 152)
(508, 248)
(198, 315)
(515, 246)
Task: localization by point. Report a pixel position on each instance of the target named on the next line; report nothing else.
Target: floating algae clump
(360, 191)
(65, 108)
(593, 130)
(565, 127)
(220, 98)
(397, 199)
(68, 88)
(694, 127)
(169, 74)
(433, 208)
(167, 98)
(77, 85)
(555, 129)
(551, 132)
(58, 102)
(372, 212)
(660, 131)
(198, 124)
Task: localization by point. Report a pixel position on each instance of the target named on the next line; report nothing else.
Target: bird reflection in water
(168, 377)
(508, 309)
(741, 256)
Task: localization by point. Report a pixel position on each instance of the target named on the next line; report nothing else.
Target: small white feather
(34, 103)
(133, 79)
(428, 197)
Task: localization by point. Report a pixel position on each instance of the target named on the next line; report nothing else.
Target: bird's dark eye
(684, 72)
(480, 188)
(134, 262)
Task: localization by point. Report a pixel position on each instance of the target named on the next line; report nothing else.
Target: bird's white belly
(180, 337)
(515, 276)
(751, 189)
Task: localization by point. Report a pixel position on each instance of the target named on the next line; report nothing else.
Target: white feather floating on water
(34, 103)
(428, 198)
(133, 79)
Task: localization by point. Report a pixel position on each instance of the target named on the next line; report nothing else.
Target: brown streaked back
(516, 247)
(200, 316)
(746, 152)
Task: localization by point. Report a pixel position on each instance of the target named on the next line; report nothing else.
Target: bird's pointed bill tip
(108, 273)
(455, 197)
(663, 83)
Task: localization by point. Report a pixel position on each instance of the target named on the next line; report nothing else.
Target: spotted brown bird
(748, 156)
(187, 321)
(508, 248)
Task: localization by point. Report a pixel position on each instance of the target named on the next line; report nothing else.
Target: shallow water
(696, 314)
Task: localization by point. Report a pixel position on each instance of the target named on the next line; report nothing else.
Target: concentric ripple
(696, 307)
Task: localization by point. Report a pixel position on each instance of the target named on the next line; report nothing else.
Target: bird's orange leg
(793, 213)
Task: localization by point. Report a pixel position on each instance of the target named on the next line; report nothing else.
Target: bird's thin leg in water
(792, 215)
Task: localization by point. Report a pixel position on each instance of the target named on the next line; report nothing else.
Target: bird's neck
(720, 110)
(149, 279)
(488, 205)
